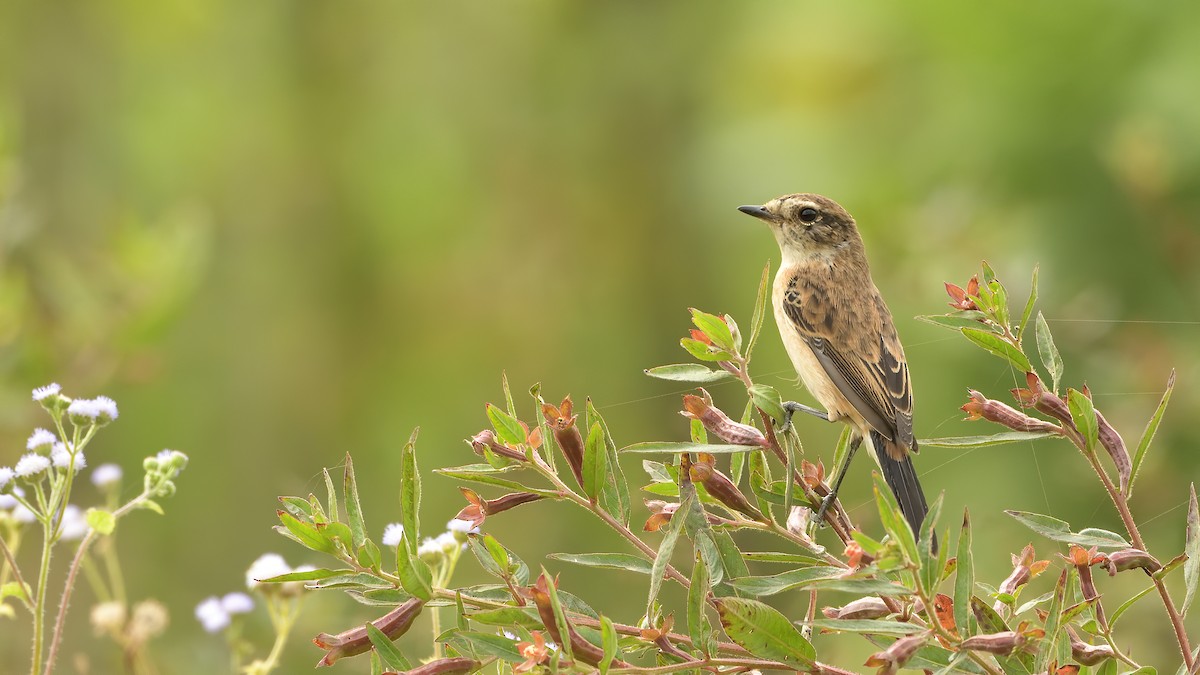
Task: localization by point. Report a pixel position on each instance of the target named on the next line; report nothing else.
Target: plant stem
(39, 603)
(11, 559)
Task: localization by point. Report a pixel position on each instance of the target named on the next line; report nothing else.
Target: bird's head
(807, 225)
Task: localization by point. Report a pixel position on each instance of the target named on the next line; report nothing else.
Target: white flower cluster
(45, 448)
(432, 548)
(215, 614)
(271, 565)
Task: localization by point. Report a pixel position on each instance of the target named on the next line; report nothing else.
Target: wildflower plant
(35, 493)
(921, 606)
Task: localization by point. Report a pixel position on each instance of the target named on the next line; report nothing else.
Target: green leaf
(1048, 351)
(1084, 417)
(594, 456)
(760, 308)
(984, 441)
(1053, 620)
(1151, 429)
(786, 558)
(699, 627)
(415, 575)
(150, 505)
(989, 620)
(609, 642)
(614, 561)
(666, 548)
(358, 526)
(861, 587)
(614, 494)
(488, 644)
(778, 583)
(930, 571)
(330, 496)
(958, 320)
(704, 352)
(560, 616)
(1060, 530)
(768, 400)
(894, 521)
(389, 655)
(657, 447)
(1033, 294)
(964, 578)
(308, 575)
(764, 631)
(998, 346)
(1191, 546)
(508, 429)
(410, 490)
(866, 626)
(717, 330)
(101, 521)
(368, 555)
(487, 474)
(688, 372)
(306, 534)
(525, 617)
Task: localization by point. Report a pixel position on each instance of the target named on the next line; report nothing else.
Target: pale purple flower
(83, 408)
(51, 389)
(21, 514)
(106, 474)
(268, 565)
(462, 526)
(212, 615)
(40, 439)
(6, 476)
(237, 603)
(62, 457)
(392, 534)
(74, 526)
(105, 407)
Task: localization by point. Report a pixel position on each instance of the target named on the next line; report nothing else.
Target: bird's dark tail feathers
(901, 477)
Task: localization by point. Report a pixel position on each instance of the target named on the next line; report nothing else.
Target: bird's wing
(871, 372)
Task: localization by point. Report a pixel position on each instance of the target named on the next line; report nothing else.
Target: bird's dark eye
(808, 214)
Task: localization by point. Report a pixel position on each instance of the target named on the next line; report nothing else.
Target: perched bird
(840, 336)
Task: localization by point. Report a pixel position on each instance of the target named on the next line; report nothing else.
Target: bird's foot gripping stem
(826, 503)
(791, 408)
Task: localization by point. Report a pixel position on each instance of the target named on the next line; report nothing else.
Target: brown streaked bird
(840, 336)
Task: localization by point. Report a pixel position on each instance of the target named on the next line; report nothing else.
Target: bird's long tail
(901, 477)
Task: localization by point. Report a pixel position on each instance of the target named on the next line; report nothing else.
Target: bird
(839, 334)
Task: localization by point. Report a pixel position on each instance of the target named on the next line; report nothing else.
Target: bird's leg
(837, 480)
(791, 408)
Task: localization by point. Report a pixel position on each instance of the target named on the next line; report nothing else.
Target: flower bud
(480, 508)
(1002, 643)
(898, 653)
(446, 666)
(863, 608)
(1112, 442)
(487, 439)
(1025, 567)
(719, 424)
(562, 423)
(719, 485)
(1088, 655)
(981, 407)
(1128, 559)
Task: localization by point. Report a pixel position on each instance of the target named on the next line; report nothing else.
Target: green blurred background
(276, 232)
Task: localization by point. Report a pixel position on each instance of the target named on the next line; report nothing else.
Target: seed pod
(719, 424)
(1002, 643)
(562, 423)
(487, 439)
(446, 666)
(719, 485)
(863, 608)
(1115, 445)
(898, 653)
(355, 641)
(582, 649)
(1128, 559)
(1085, 654)
(981, 407)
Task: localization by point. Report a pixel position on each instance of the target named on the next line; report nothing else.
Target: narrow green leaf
(358, 527)
(768, 400)
(785, 558)
(497, 552)
(984, 441)
(699, 627)
(1060, 530)
(1053, 625)
(1030, 604)
(861, 587)
(1151, 429)
(508, 399)
(614, 494)
(964, 579)
(998, 346)
(1048, 351)
(415, 575)
(1083, 414)
(894, 521)
(615, 561)
(389, 654)
(594, 456)
(988, 619)
(368, 555)
(958, 320)
(410, 490)
(930, 573)
(764, 631)
(778, 583)
(508, 429)
(609, 640)
(688, 372)
(703, 351)
(760, 308)
(1033, 296)
(1191, 546)
(101, 521)
(306, 534)
(489, 475)
(560, 616)
(665, 549)
(331, 496)
(525, 617)
(866, 626)
(658, 448)
(731, 560)
(490, 644)
(717, 330)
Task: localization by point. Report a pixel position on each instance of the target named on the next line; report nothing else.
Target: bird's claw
(791, 408)
(826, 503)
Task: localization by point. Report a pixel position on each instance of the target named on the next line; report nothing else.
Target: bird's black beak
(758, 212)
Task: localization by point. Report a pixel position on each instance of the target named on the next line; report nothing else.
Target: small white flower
(105, 407)
(6, 476)
(83, 408)
(164, 456)
(74, 526)
(392, 534)
(7, 502)
(40, 440)
(268, 565)
(62, 458)
(237, 603)
(509, 635)
(108, 617)
(106, 474)
(31, 465)
(460, 525)
(429, 548)
(448, 542)
(51, 389)
(212, 615)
